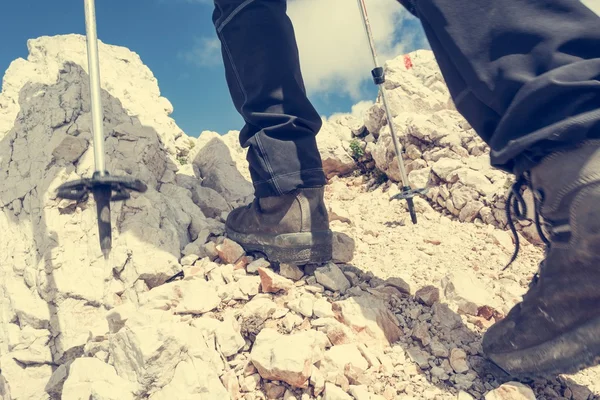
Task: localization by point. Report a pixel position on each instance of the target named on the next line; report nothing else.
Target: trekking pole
(102, 184)
(379, 78)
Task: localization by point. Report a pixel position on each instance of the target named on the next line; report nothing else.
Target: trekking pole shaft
(397, 146)
(365, 20)
(95, 91)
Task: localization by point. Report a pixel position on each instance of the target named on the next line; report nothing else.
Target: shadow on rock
(55, 277)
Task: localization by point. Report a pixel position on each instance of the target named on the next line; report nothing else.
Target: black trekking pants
(524, 73)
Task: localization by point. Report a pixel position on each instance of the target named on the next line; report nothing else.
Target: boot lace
(516, 203)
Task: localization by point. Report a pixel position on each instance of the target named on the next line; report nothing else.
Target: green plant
(191, 143)
(182, 160)
(357, 150)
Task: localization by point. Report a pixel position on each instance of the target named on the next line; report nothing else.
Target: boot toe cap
(497, 338)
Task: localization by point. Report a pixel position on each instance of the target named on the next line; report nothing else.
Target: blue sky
(176, 40)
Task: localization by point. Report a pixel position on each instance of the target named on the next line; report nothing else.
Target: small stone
(274, 391)
(231, 383)
(352, 277)
(464, 382)
(337, 333)
(486, 312)
(280, 313)
(258, 309)
(210, 249)
(272, 283)
(579, 392)
(189, 260)
(386, 291)
(228, 336)
(447, 367)
(398, 355)
(323, 309)
(470, 211)
(229, 251)
(428, 295)
(302, 305)
(399, 284)
(386, 364)
(360, 392)
(511, 391)
(250, 383)
(421, 333)
(370, 318)
(411, 370)
(227, 272)
(439, 373)
(252, 268)
(368, 355)
(419, 357)
(462, 395)
(458, 361)
(317, 380)
(433, 241)
(429, 394)
(444, 317)
(250, 369)
(354, 291)
(194, 272)
(551, 393)
(199, 297)
(314, 288)
(342, 381)
(290, 321)
(241, 264)
(249, 285)
(467, 291)
(389, 393)
(342, 248)
(332, 278)
(445, 166)
(338, 357)
(291, 271)
(438, 349)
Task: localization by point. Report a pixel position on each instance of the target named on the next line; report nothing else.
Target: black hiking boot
(556, 328)
(293, 228)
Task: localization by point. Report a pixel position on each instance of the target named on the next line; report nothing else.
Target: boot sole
(566, 354)
(290, 248)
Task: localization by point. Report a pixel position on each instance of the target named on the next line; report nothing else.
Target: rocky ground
(398, 314)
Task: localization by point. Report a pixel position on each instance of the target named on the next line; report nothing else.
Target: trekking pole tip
(408, 194)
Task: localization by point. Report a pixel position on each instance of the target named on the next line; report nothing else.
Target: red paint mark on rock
(407, 62)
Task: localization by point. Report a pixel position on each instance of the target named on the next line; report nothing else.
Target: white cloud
(593, 5)
(205, 53)
(333, 45)
(358, 110)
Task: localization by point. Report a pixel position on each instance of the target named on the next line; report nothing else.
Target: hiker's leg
(263, 74)
(288, 221)
(526, 75)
